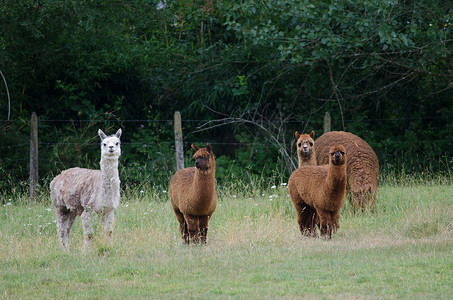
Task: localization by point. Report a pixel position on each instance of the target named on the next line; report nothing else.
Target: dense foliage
(244, 74)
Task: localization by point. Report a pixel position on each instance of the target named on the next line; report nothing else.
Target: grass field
(404, 249)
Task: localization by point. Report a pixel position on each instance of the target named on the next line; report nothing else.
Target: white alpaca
(80, 192)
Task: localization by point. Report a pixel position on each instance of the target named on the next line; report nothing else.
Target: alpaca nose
(305, 148)
(337, 157)
(110, 148)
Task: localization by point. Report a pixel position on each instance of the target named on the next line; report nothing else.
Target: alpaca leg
(204, 220)
(65, 220)
(312, 220)
(335, 221)
(193, 224)
(182, 226)
(107, 222)
(61, 228)
(71, 219)
(307, 219)
(326, 223)
(300, 210)
(87, 224)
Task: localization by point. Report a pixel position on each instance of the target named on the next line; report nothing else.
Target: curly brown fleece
(318, 194)
(193, 196)
(362, 167)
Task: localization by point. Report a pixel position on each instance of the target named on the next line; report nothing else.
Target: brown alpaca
(193, 196)
(305, 150)
(318, 194)
(362, 167)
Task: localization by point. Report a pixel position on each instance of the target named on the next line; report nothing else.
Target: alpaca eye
(300, 145)
(311, 144)
(105, 145)
(117, 144)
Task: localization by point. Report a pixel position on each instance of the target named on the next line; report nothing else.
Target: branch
(335, 89)
(259, 121)
(7, 91)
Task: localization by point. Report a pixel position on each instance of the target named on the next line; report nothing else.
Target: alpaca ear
(297, 135)
(312, 134)
(118, 133)
(208, 147)
(195, 147)
(101, 134)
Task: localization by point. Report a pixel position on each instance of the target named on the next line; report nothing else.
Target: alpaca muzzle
(337, 157)
(201, 164)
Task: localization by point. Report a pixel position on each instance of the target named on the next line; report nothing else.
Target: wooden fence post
(33, 157)
(178, 142)
(327, 121)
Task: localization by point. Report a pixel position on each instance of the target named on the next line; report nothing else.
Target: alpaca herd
(336, 165)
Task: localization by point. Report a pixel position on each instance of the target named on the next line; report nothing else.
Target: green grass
(403, 249)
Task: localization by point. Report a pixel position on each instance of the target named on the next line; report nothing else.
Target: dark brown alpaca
(193, 196)
(318, 194)
(305, 149)
(362, 167)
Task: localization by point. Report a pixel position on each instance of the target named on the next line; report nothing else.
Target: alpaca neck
(109, 168)
(110, 182)
(307, 160)
(202, 182)
(336, 177)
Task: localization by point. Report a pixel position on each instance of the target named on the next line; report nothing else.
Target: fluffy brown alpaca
(318, 194)
(193, 196)
(305, 150)
(362, 167)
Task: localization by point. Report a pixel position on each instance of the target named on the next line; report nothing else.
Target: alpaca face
(110, 145)
(337, 155)
(203, 157)
(305, 144)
